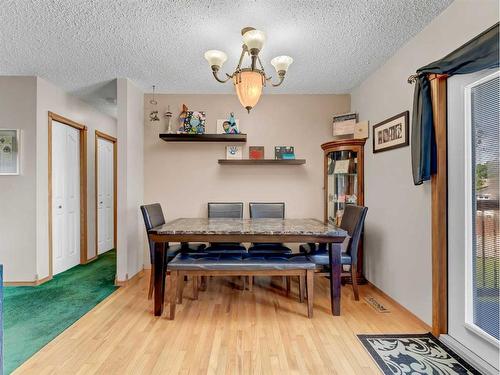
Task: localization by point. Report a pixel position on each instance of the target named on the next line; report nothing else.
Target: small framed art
(392, 133)
(9, 152)
(256, 152)
(234, 152)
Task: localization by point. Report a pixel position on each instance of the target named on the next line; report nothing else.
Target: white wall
(18, 193)
(398, 225)
(130, 231)
(183, 177)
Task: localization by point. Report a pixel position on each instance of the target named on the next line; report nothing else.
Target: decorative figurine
(153, 115)
(229, 126)
(168, 116)
(182, 117)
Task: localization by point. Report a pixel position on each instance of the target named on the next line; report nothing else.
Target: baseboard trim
(134, 278)
(393, 301)
(91, 259)
(28, 283)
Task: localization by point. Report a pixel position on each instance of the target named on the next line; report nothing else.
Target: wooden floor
(226, 331)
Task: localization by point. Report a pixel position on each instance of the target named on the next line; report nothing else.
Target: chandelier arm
(244, 49)
(281, 79)
(214, 72)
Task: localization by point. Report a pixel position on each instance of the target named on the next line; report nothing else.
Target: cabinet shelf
(228, 138)
(262, 161)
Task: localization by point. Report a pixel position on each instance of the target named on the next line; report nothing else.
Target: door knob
(59, 206)
(100, 202)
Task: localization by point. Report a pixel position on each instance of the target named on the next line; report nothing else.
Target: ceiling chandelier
(248, 82)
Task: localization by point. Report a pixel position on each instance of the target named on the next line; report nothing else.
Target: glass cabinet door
(342, 183)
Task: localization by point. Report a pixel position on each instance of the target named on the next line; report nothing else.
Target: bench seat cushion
(234, 262)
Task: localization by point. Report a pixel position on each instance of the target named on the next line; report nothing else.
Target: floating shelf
(228, 138)
(263, 161)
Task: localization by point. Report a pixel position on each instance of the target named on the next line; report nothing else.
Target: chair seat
(269, 248)
(225, 248)
(233, 262)
(322, 259)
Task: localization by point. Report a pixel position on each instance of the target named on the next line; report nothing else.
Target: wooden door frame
(83, 184)
(439, 188)
(107, 137)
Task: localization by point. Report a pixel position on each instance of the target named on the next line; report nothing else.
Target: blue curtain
(478, 54)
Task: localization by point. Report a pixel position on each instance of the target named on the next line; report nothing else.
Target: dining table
(252, 231)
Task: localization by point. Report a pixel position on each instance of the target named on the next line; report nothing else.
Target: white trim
(469, 214)
(477, 362)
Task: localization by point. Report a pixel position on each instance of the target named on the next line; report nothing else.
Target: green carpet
(35, 315)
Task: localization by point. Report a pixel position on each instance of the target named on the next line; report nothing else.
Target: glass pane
(486, 187)
(342, 183)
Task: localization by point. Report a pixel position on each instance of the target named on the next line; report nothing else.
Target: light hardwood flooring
(226, 331)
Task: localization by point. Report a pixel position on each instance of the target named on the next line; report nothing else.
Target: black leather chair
(353, 222)
(268, 211)
(225, 210)
(153, 217)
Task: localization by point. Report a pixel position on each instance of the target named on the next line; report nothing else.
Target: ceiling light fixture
(249, 82)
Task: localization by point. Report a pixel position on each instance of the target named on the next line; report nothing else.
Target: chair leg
(288, 283)
(195, 287)
(302, 282)
(174, 277)
(203, 283)
(250, 283)
(151, 282)
(310, 292)
(354, 278)
(181, 282)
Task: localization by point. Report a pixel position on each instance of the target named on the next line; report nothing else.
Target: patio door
(473, 216)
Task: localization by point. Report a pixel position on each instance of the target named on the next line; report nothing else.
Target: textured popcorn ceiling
(83, 45)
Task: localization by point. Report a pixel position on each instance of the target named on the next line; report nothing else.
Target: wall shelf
(228, 138)
(262, 161)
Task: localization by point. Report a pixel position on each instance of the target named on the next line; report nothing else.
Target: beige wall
(398, 226)
(183, 177)
(130, 233)
(18, 193)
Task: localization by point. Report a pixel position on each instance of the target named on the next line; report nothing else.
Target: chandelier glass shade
(249, 82)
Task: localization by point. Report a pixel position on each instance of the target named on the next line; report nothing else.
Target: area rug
(35, 315)
(414, 354)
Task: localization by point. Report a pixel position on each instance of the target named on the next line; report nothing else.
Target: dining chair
(268, 211)
(153, 217)
(352, 222)
(225, 210)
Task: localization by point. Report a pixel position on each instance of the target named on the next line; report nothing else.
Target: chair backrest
(267, 210)
(353, 221)
(153, 217)
(225, 210)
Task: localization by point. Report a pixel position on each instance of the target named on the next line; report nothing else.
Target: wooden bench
(240, 265)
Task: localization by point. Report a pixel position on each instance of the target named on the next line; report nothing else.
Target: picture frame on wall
(9, 152)
(343, 125)
(392, 133)
(234, 152)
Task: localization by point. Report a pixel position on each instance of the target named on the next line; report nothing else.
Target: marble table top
(306, 227)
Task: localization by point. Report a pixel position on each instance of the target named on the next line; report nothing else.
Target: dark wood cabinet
(344, 182)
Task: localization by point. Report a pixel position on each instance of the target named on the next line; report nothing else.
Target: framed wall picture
(234, 152)
(9, 151)
(392, 133)
(256, 152)
(343, 125)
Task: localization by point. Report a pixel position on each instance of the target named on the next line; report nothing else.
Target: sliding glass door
(473, 213)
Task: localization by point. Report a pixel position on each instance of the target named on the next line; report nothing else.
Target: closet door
(105, 196)
(65, 197)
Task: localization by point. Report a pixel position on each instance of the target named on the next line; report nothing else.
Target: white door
(65, 197)
(105, 196)
(473, 215)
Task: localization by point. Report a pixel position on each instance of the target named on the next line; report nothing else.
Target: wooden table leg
(159, 277)
(181, 283)
(174, 278)
(334, 254)
(302, 282)
(195, 287)
(310, 292)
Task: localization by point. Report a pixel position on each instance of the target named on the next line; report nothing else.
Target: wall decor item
(234, 152)
(256, 152)
(9, 152)
(194, 122)
(343, 125)
(249, 82)
(392, 133)
(229, 126)
(168, 116)
(153, 115)
(361, 130)
(284, 152)
(182, 117)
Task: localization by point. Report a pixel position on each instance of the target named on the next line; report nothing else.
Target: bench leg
(302, 282)
(195, 287)
(288, 283)
(250, 283)
(203, 283)
(181, 281)
(310, 292)
(174, 277)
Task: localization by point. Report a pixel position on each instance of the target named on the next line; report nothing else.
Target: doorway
(473, 215)
(106, 192)
(67, 180)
